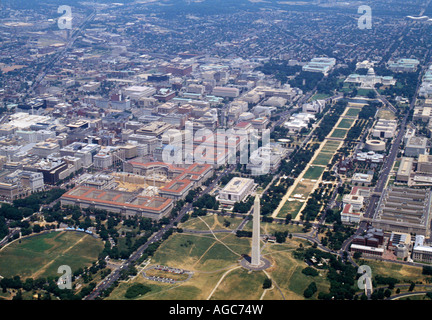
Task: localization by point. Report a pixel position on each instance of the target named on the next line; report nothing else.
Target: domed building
(369, 80)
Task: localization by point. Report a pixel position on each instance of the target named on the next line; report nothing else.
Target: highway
(5, 240)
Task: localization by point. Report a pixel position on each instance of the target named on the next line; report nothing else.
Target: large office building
(350, 215)
(195, 172)
(323, 65)
(426, 86)
(46, 148)
(405, 169)
(154, 129)
(126, 203)
(370, 79)
(353, 204)
(108, 157)
(362, 179)
(176, 189)
(84, 151)
(236, 190)
(314, 107)
(10, 191)
(178, 180)
(416, 146)
(422, 113)
(424, 164)
(138, 92)
(20, 183)
(409, 133)
(403, 209)
(226, 92)
(384, 129)
(421, 252)
(404, 65)
(416, 172)
(52, 169)
(371, 243)
(178, 70)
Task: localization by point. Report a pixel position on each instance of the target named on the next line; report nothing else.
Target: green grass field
(239, 281)
(398, 271)
(228, 281)
(319, 96)
(41, 255)
(323, 158)
(345, 123)
(353, 112)
(207, 257)
(270, 228)
(288, 275)
(214, 221)
(339, 133)
(290, 207)
(314, 172)
(386, 114)
(217, 274)
(330, 146)
(364, 92)
(204, 252)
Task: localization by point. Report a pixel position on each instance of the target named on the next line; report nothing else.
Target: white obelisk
(256, 252)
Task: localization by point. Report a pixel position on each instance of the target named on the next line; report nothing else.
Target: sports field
(42, 255)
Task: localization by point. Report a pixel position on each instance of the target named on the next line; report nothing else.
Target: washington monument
(256, 262)
(256, 250)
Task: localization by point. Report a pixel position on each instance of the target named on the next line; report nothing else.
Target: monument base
(246, 263)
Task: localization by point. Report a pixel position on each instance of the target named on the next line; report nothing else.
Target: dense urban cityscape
(215, 150)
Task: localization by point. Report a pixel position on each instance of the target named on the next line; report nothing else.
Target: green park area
(403, 273)
(215, 222)
(326, 154)
(353, 112)
(314, 172)
(331, 146)
(386, 114)
(209, 258)
(365, 92)
(339, 133)
(345, 123)
(323, 158)
(271, 228)
(217, 275)
(319, 96)
(291, 207)
(42, 255)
